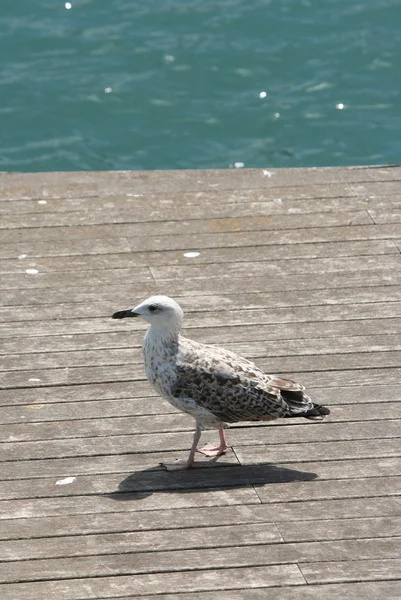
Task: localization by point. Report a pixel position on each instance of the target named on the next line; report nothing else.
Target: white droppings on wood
(65, 481)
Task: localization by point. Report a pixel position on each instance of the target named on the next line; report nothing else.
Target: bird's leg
(213, 450)
(180, 465)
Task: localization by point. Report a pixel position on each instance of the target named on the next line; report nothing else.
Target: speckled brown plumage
(231, 387)
(213, 385)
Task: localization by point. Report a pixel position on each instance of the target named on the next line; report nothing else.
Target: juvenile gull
(213, 385)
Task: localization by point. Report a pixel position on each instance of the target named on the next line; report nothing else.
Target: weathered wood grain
(333, 529)
(94, 395)
(142, 585)
(274, 483)
(130, 562)
(140, 541)
(373, 190)
(109, 463)
(355, 570)
(243, 232)
(125, 502)
(349, 403)
(26, 428)
(84, 301)
(84, 183)
(276, 268)
(37, 347)
(211, 319)
(252, 350)
(384, 216)
(125, 516)
(246, 254)
(370, 590)
(31, 227)
(76, 377)
(298, 270)
(123, 442)
(288, 365)
(309, 235)
(55, 203)
(337, 514)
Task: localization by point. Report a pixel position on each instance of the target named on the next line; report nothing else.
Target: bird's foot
(212, 450)
(177, 465)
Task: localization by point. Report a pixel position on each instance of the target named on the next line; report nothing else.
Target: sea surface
(179, 84)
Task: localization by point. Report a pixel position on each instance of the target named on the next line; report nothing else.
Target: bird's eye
(152, 307)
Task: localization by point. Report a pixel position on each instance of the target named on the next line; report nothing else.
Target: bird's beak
(121, 314)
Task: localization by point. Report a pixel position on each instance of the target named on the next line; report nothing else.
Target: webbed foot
(212, 450)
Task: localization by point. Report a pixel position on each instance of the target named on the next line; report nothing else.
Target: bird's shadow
(142, 484)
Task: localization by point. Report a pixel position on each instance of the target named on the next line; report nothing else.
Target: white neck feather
(158, 336)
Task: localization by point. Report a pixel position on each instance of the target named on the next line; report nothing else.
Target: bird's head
(161, 312)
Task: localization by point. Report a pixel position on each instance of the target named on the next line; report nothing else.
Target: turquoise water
(166, 84)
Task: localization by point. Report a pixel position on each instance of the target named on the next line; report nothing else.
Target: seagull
(213, 385)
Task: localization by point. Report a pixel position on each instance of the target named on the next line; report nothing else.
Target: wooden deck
(298, 270)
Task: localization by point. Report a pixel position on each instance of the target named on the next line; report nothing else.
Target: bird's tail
(300, 405)
(317, 413)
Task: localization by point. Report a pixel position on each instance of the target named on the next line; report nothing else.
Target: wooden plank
(55, 203)
(242, 233)
(139, 542)
(84, 183)
(336, 513)
(374, 190)
(128, 211)
(86, 392)
(352, 488)
(47, 280)
(25, 279)
(341, 529)
(31, 229)
(277, 201)
(305, 514)
(170, 562)
(75, 247)
(309, 290)
(37, 347)
(101, 322)
(83, 301)
(92, 393)
(112, 245)
(271, 343)
(131, 371)
(346, 403)
(22, 285)
(72, 412)
(370, 590)
(252, 350)
(123, 441)
(248, 204)
(354, 570)
(31, 426)
(119, 463)
(277, 268)
(280, 237)
(217, 255)
(277, 483)
(108, 375)
(18, 508)
(103, 509)
(142, 585)
(384, 216)
(305, 336)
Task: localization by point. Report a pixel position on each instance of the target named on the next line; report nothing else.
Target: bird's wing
(231, 387)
